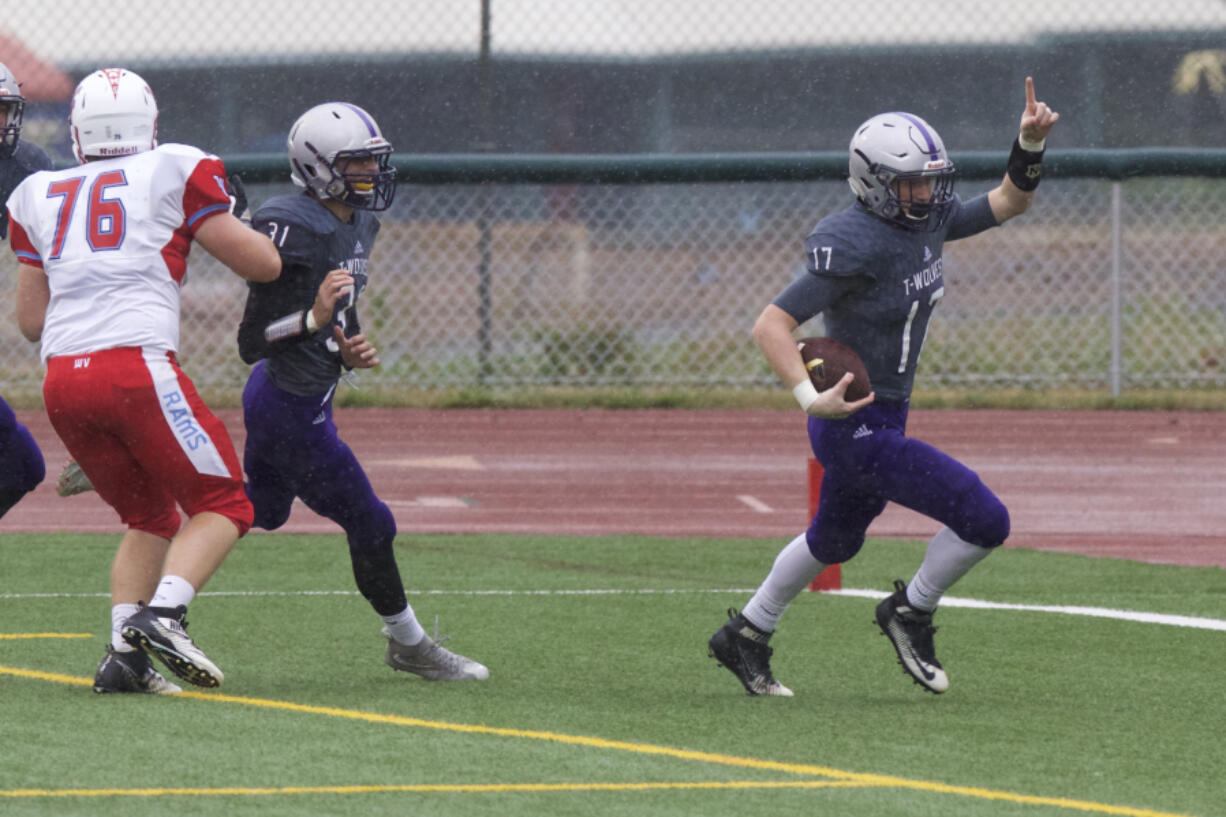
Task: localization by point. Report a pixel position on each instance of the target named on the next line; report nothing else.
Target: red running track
(1149, 486)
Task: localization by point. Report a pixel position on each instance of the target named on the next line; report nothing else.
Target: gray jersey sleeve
(808, 295)
(834, 270)
(971, 217)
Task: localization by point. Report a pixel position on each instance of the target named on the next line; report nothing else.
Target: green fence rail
(469, 168)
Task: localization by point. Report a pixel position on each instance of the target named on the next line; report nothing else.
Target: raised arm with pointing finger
(1025, 168)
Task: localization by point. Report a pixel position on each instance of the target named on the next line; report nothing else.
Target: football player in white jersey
(103, 252)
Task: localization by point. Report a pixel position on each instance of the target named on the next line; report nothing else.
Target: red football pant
(137, 427)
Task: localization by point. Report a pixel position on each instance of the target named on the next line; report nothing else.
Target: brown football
(827, 360)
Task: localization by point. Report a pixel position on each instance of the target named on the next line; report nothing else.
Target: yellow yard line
(432, 788)
(856, 778)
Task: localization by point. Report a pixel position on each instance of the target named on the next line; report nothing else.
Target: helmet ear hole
(335, 188)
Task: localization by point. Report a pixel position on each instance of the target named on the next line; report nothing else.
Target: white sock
(120, 614)
(172, 592)
(947, 559)
(404, 627)
(793, 571)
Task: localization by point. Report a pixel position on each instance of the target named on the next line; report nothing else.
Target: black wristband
(1025, 167)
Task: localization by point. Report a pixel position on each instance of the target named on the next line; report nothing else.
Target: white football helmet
(113, 114)
(901, 147)
(332, 133)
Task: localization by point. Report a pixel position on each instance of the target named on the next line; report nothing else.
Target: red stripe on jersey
(204, 196)
(22, 248)
(174, 254)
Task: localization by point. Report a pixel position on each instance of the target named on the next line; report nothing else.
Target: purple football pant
(293, 450)
(21, 462)
(868, 461)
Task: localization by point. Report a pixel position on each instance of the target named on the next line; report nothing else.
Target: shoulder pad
(297, 208)
(849, 235)
(176, 149)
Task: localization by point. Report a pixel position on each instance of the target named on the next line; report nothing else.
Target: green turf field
(602, 700)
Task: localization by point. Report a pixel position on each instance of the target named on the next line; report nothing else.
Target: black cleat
(910, 631)
(130, 672)
(161, 633)
(741, 647)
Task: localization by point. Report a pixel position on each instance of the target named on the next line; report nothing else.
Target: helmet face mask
(13, 104)
(113, 114)
(327, 142)
(893, 155)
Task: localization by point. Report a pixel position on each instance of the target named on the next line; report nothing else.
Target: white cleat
(166, 639)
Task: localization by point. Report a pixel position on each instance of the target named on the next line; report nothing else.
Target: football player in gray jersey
(301, 332)
(875, 275)
(21, 462)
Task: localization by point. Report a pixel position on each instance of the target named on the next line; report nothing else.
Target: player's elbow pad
(291, 326)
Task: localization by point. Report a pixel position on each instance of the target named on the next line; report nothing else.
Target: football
(827, 360)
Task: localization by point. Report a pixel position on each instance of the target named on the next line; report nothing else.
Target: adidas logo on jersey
(927, 255)
(358, 249)
(861, 432)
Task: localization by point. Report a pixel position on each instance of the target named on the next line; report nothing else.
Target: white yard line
(1069, 610)
(1142, 617)
(755, 503)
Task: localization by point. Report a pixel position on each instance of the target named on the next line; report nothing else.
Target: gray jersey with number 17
(876, 284)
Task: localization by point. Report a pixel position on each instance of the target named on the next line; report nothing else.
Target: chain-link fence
(1101, 285)
(1104, 285)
